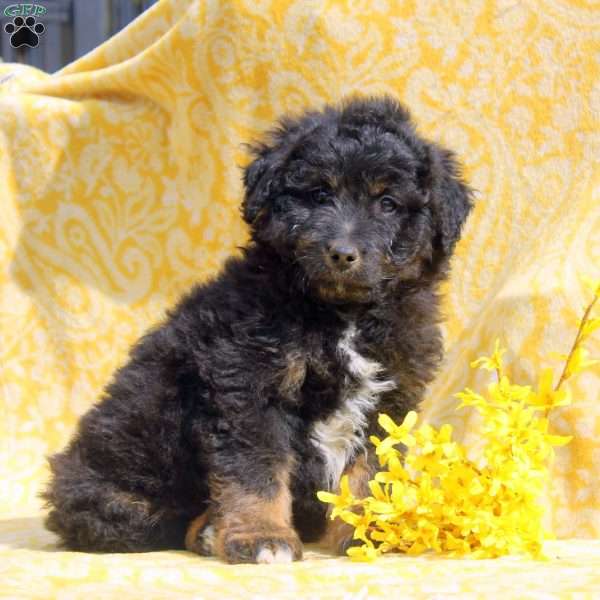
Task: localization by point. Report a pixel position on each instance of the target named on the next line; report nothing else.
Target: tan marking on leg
(191, 536)
(294, 375)
(249, 523)
(338, 534)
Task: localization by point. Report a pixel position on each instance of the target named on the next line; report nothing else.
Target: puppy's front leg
(255, 525)
(338, 535)
(250, 518)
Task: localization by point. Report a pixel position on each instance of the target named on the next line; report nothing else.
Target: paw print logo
(24, 32)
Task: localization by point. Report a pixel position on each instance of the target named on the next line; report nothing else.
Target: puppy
(261, 387)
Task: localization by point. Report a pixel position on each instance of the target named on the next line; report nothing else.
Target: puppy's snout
(342, 256)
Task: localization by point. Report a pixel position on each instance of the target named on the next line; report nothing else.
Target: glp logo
(24, 29)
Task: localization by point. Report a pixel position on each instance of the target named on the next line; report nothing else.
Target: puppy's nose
(343, 256)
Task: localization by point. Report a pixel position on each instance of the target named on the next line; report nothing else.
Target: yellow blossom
(546, 396)
(491, 363)
(360, 522)
(395, 472)
(503, 391)
(341, 501)
(363, 553)
(397, 434)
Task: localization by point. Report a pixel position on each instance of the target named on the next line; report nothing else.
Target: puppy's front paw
(264, 545)
(338, 537)
(346, 543)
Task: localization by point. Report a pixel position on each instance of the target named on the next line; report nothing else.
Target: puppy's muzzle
(342, 256)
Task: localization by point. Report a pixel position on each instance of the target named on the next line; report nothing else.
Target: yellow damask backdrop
(120, 186)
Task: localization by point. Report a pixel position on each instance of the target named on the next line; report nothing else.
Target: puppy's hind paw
(200, 536)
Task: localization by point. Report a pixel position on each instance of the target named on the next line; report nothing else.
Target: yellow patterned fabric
(120, 185)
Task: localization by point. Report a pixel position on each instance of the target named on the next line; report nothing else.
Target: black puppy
(261, 387)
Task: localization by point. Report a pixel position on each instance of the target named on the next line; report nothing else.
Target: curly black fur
(354, 217)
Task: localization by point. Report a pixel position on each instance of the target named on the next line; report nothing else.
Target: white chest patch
(343, 433)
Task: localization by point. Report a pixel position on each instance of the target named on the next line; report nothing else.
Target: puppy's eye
(321, 196)
(388, 204)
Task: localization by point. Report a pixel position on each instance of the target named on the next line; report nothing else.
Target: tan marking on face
(376, 188)
(338, 292)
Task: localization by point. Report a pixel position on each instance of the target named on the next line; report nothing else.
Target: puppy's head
(355, 199)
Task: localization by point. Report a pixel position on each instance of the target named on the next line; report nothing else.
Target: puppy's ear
(263, 176)
(451, 200)
(257, 184)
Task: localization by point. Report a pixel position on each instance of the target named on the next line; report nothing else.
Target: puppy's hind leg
(91, 514)
(200, 535)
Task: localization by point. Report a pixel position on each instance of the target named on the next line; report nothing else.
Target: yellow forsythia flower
(494, 362)
(430, 496)
(340, 502)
